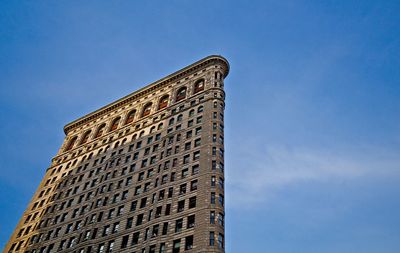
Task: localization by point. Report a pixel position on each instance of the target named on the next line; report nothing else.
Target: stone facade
(142, 174)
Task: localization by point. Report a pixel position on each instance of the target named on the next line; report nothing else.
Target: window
(198, 131)
(189, 242)
(71, 143)
(133, 206)
(193, 185)
(196, 155)
(192, 202)
(165, 228)
(101, 248)
(212, 238)
(163, 102)
(135, 238)
(199, 86)
(170, 192)
(186, 159)
(129, 223)
(213, 198)
(85, 137)
(191, 113)
(200, 109)
(176, 246)
(143, 202)
(212, 217)
(139, 219)
(220, 241)
(221, 219)
(185, 173)
(155, 230)
(137, 190)
(181, 205)
(213, 181)
(158, 211)
(221, 199)
(178, 225)
(190, 221)
(114, 124)
(146, 109)
(162, 248)
(130, 117)
(124, 242)
(182, 189)
(195, 169)
(181, 94)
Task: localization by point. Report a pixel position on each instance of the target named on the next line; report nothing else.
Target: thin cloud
(260, 175)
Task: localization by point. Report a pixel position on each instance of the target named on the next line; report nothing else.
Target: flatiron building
(144, 174)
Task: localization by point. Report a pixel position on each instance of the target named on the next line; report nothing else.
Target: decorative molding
(210, 60)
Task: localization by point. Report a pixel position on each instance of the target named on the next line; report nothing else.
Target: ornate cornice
(210, 60)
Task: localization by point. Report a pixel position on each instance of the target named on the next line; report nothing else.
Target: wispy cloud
(258, 176)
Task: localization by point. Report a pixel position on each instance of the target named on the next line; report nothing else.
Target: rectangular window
(139, 219)
(182, 189)
(191, 221)
(212, 217)
(193, 185)
(212, 238)
(181, 205)
(192, 202)
(124, 242)
(135, 238)
(165, 228)
(178, 225)
(220, 241)
(129, 223)
(176, 246)
(189, 242)
(195, 169)
(196, 155)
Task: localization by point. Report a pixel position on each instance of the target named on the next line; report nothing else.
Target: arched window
(160, 126)
(179, 118)
(163, 102)
(85, 137)
(181, 94)
(146, 109)
(199, 86)
(71, 143)
(200, 109)
(100, 130)
(130, 117)
(114, 124)
(141, 134)
(171, 121)
(191, 113)
(152, 129)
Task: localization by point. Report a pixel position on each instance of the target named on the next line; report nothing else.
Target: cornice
(207, 61)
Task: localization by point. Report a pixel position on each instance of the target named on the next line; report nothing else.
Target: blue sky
(312, 116)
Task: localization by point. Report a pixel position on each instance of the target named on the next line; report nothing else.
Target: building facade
(144, 174)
